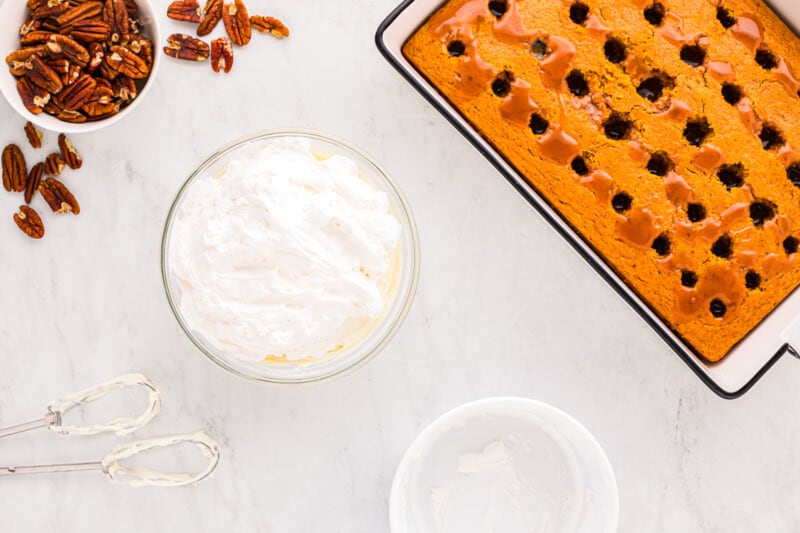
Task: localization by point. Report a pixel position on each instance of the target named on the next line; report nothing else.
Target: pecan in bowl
(78, 66)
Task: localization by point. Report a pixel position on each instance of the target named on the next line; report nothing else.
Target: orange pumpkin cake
(663, 133)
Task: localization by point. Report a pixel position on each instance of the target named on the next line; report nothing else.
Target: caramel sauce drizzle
(511, 29)
(721, 71)
(709, 158)
(678, 190)
(600, 183)
(518, 106)
(596, 27)
(678, 111)
(558, 61)
(638, 228)
(748, 31)
(676, 36)
(716, 281)
(786, 76)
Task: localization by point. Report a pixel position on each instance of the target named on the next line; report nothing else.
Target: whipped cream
(281, 255)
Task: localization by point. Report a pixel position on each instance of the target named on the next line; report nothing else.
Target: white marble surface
(505, 307)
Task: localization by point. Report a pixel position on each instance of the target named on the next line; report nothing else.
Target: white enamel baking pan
(749, 360)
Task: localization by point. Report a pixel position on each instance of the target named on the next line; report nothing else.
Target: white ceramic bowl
(13, 13)
(567, 480)
(397, 308)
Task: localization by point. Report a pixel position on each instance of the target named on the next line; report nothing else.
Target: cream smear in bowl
(290, 257)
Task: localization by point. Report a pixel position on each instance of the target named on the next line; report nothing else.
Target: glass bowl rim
(407, 297)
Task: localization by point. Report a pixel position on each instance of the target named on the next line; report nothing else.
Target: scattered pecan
(34, 98)
(270, 24)
(184, 11)
(143, 47)
(74, 117)
(97, 54)
(90, 31)
(72, 75)
(212, 14)
(58, 197)
(34, 179)
(43, 76)
(69, 153)
(69, 48)
(116, 15)
(237, 22)
(34, 136)
(124, 89)
(36, 37)
(15, 170)
(83, 11)
(76, 95)
(221, 54)
(182, 46)
(23, 54)
(29, 222)
(131, 8)
(29, 25)
(54, 164)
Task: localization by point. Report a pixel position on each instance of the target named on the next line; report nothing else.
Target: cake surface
(662, 132)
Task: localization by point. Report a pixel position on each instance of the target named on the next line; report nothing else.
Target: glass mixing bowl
(348, 359)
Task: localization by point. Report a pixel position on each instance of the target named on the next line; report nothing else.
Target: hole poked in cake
(498, 7)
(723, 247)
(766, 59)
(732, 93)
(696, 130)
(762, 211)
(617, 126)
(662, 245)
(621, 202)
(538, 124)
(539, 48)
(660, 163)
(693, 55)
(717, 308)
(790, 245)
(771, 137)
(793, 173)
(688, 279)
(725, 17)
(579, 166)
(578, 12)
(732, 175)
(577, 84)
(652, 88)
(501, 85)
(696, 212)
(654, 13)
(615, 50)
(456, 48)
(752, 280)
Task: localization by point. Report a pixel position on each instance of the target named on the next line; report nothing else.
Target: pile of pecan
(42, 178)
(238, 24)
(81, 60)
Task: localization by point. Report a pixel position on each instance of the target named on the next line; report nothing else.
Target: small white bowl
(458, 474)
(13, 14)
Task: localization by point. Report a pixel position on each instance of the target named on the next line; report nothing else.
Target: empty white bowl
(13, 14)
(509, 465)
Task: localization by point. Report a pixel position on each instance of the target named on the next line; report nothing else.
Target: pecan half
(76, 95)
(58, 197)
(34, 179)
(143, 47)
(124, 89)
(83, 11)
(222, 55)
(50, 8)
(29, 25)
(43, 76)
(34, 98)
(182, 46)
(237, 22)
(97, 55)
(69, 48)
(116, 15)
(15, 170)
(212, 14)
(36, 37)
(184, 10)
(131, 8)
(23, 54)
(54, 164)
(29, 222)
(126, 62)
(74, 117)
(275, 27)
(34, 136)
(69, 153)
(90, 31)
